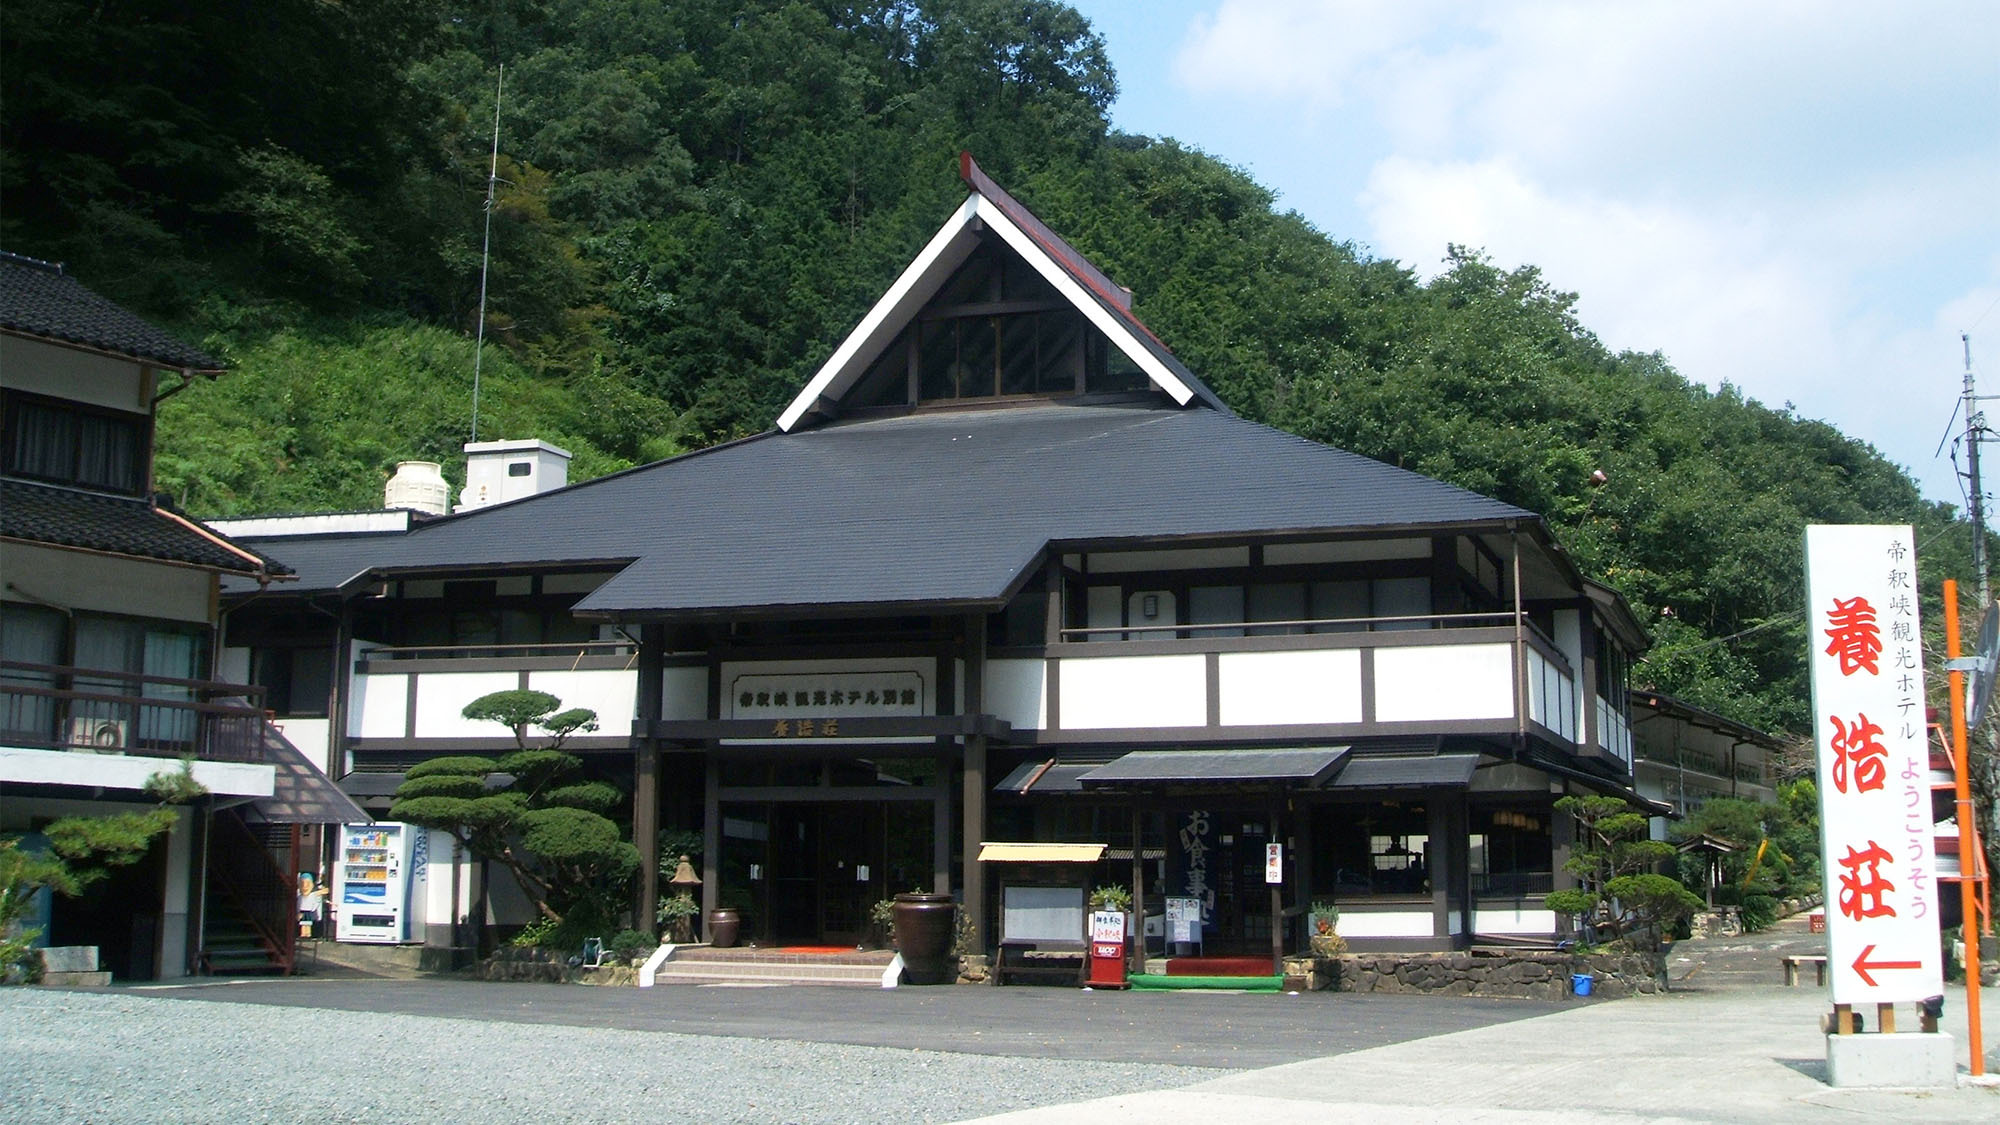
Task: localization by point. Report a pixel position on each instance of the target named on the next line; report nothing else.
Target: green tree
(1613, 859)
(548, 830)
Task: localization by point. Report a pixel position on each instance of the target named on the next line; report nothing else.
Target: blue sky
(1798, 198)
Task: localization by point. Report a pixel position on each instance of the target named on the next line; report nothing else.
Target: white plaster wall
(1130, 562)
(178, 899)
(441, 696)
(102, 584)
(1432, 682)
(1134, 691)
(1351, 550)
(612, 693)
(310, 736)
(684, 693)
(232, 665)
(59, 372)
(1017, 691)
(1507, 921)
(1386, 924)
(1290, 687)
(376, 705)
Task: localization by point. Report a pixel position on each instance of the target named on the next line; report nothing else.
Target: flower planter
(724, 927)
(923, 937)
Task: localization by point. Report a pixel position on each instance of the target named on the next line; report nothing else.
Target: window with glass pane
(1511, 852)
(1402, 597)
(29, 634)
(1379, 849)
(1019, 362)
(1216, 605)
(1344, 602)
(1277, 601)
(63, 444)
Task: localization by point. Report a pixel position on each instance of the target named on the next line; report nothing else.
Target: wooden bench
(1795, 960)
(1020, 960)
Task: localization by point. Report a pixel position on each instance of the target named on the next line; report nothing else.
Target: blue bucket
(1580, 983)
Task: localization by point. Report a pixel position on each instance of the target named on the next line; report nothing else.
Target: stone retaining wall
(1529, 974)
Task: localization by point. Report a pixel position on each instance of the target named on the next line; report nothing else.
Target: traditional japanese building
(1006, 569)
(108, 617)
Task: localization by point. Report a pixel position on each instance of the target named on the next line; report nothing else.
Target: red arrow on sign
(1862, 964)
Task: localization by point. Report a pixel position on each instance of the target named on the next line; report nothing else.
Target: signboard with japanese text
(1274, 863)
(1866, 652)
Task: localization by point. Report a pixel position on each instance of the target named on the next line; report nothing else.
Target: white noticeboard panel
(1107, 925)
(1274, 863)
(1183, 919)
(1874, 764)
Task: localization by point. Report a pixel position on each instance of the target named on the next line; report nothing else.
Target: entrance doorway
(810, 873)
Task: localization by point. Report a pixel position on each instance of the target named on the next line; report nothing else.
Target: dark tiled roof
(38, 299)
(1307, 765)
(1407, 772)
(68, 517)
(926, 509)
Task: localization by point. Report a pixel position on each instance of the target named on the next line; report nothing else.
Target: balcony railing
(97, 710)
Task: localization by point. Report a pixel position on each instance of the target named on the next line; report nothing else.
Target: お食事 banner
(1874, 764)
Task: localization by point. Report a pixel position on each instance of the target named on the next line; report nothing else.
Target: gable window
(64, 443)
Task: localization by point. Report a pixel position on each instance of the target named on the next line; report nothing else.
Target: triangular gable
(1104, 305)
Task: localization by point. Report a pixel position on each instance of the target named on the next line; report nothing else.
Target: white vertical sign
(1274, 863)
(1874, 764)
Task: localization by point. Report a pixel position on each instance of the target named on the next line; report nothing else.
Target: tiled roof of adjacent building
(38, 299)
(932, 508)
(120, 525)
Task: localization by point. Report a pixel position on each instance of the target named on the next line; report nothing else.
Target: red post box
(1107, 950)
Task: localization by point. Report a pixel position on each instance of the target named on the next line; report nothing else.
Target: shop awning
(1045, 776)
(1428, 771)
(1306, 767)
(1040, 853)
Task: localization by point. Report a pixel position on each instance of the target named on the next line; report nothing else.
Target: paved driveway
(1206, 1029)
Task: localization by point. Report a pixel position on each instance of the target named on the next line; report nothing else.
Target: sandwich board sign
(1873, 755)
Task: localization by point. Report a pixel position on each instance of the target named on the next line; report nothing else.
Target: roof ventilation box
(418, 486)
(499, 471)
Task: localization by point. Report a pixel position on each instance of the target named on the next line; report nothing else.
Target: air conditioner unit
(97, 735)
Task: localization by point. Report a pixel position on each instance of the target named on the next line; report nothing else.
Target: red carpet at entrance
(819, 949)
(1219, 967)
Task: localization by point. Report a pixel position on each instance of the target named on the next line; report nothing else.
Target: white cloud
(1792, 197)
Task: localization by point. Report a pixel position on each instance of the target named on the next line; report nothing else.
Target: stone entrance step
(706, 965)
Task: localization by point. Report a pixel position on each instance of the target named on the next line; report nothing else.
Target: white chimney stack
(498, 471)
(418, 486)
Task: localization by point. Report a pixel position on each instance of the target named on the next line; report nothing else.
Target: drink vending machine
(378, 877)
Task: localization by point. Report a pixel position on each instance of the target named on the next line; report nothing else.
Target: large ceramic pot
(923, 937)
(724, 927)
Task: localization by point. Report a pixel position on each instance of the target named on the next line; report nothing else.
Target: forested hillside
(699, 198)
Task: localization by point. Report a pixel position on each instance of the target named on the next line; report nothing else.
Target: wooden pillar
(1439, 866)
(646, 774)
(973, 819)
(1139, 882)
(940, 828)
(711, 842)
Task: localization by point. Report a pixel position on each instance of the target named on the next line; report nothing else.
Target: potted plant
(1325, 939)
(882, 921)
(1111, 898)
(923, 925)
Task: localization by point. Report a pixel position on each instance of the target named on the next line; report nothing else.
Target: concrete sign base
(1902, 1059)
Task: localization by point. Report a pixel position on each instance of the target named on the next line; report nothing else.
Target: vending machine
(376, 882)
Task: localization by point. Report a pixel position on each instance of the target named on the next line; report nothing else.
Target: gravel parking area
(118, 1056)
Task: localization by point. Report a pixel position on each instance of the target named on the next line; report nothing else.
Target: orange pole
(1968, 859)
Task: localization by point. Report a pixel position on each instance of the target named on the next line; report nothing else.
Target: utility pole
(1975, 429)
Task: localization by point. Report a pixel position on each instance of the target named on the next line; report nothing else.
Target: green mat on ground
(1160, 982)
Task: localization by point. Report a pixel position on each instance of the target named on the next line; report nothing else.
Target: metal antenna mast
(1975, 428)
(486, 251)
